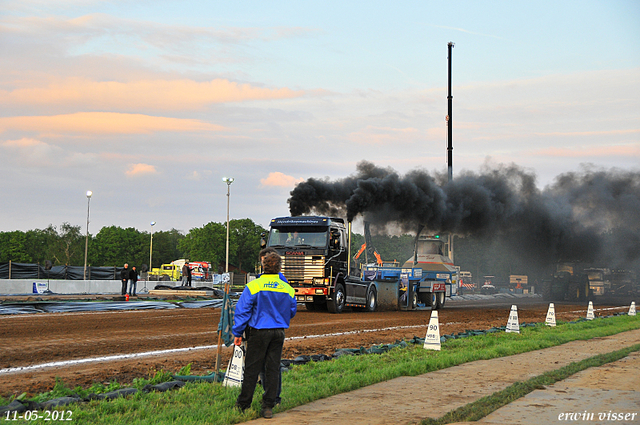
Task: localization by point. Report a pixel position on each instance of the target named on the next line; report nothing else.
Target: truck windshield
(307, 236)
(429, 247)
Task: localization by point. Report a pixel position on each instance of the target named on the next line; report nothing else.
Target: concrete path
(408, 400)
(608, 394)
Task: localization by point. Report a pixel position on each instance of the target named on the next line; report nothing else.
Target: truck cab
(440, 276)
(314, 256)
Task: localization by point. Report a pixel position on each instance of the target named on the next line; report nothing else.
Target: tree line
(114, 246)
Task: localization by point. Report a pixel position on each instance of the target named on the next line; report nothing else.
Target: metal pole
(151, 248)
(228, 181)
(86, 242)
(450, 137)
(226, 268)
(450, 120)
(227, 286)
(349, 249)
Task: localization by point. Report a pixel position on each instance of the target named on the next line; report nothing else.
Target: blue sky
(149, 104)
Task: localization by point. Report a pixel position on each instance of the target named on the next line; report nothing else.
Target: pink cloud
(144, 94)
(140, 169)
(104, 123)
(279, 179)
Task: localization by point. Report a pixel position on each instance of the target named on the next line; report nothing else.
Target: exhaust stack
(349, 249)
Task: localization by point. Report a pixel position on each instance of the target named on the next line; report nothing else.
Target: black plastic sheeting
(37, 271)
(78, 306)
(18, 406)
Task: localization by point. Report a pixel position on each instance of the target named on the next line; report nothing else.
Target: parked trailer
(315, 258)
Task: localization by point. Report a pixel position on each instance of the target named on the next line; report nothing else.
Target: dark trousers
(132, 287)
(264, 350)
(263, 380)
(124, 286)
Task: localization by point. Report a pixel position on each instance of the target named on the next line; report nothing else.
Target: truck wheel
(440, 300)
(584, 288)
(372, 300)
(310, 306)
(573, 290)
(433, 300)
(336, 305)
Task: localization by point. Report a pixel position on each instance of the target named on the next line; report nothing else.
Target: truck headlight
(321, 281)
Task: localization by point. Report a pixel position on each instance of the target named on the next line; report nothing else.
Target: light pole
(86, 241)
(228, 181)
(153, 223)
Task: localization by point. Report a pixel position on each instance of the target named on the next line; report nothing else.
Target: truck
(316, 260)
(200, 270)
(570, 282)
(166, 272)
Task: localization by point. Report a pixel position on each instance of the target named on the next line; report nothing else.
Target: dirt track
(34, 339)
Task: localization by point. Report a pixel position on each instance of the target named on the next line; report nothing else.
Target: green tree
(390, 247)
(69, 249)
(42, 243)
(165, 247)
(114, 246)
(206, 243)
(245, 235)
(13, 247)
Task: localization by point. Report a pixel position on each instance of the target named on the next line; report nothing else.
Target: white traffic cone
(632, 309)
(513, 325)
(551, 316)
(432, 340)
(590, 315)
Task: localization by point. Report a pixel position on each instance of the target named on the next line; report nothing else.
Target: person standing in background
(133, 278)
(124, 277)
(186, 271)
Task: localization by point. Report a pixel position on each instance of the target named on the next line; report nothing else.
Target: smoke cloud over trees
(591, 215)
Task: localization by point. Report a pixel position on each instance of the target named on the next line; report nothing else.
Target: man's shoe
(267, 413)
(241, 408)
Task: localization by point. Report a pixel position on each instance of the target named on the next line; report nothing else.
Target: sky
(149, 104)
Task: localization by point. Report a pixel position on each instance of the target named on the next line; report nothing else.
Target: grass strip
(198, 403)
(486, 405)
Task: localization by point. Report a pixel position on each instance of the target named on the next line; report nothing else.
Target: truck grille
(301, 268)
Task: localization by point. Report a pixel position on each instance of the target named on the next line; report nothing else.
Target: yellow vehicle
(166, 272)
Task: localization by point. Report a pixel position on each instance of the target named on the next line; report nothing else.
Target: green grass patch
(197, 403)
(486, 405)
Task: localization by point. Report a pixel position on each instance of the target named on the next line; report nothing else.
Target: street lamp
(228, 181)
(153, 223)
(86, 241)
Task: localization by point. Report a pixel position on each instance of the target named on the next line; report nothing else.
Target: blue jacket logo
(273, 285)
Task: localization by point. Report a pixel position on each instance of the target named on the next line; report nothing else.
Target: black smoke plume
(581, 216)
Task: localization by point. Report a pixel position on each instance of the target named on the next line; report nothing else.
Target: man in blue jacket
(264, 311)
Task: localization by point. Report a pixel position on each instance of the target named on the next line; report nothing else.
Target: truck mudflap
(430, 286)
(305, 295)
(388, 294)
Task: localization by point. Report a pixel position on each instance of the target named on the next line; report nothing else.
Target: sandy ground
(35, 339)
